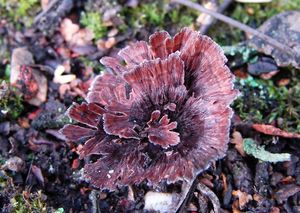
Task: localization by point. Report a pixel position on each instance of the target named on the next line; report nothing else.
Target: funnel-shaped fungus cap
(164, 115)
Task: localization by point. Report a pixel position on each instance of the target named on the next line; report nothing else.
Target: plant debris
(284, 27)
(271, 130)
(251, 148)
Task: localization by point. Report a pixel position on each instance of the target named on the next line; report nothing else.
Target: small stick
(211, 195)
(204, 28)
(237, 24)
(49, 6)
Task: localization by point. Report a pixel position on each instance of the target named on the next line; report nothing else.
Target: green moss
(95, 64)
(11, 104)
(181, 19)
(153, 13)
(36, 202)
(156, 14)
(225, 34)
(255, 14)
(93, 21)
(21, 10)
(261, 101)
(144, 15)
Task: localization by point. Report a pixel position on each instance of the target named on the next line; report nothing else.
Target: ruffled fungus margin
(162, 115)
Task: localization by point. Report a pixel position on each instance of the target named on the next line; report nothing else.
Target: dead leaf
(20, 56)
(224, 181)
(235, 207)
(257, 197)
(24, 122)
(75, 164)
(283, 82)
(23, 75)
(41, 96)
(82, 37)
(271, 130)
(286, 191)
(34, 114)
(104, 44)
(269, 75)
(38, 174)
(14, 164)
(237, 140)
(75, 37)
(275, 210)
(27, 83)
(285, 28)
(263, 65)
(287, 180)
(68, 29)
(243, 197)
(74, 88)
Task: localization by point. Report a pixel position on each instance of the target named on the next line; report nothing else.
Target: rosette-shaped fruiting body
(160, 113)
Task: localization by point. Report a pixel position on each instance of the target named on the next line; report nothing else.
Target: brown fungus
(164, 115)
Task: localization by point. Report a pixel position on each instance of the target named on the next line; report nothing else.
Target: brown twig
(188, 189)
(49, 6)
(237, 24)
(211, 195)
(205, 27)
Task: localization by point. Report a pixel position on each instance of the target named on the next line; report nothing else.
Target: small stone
(161, 202)
(4, 128)
(14, 164)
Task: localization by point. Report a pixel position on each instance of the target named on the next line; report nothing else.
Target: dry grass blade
(237, 24)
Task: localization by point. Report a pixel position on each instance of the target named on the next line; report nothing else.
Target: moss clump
(177, 17)
(31, 202)
(20, 11)
(261, 101)
(53, 116)
(157, 14)
(93, 21)
(11, 104)
(148, 14)
(97, 67)
(152, 13)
